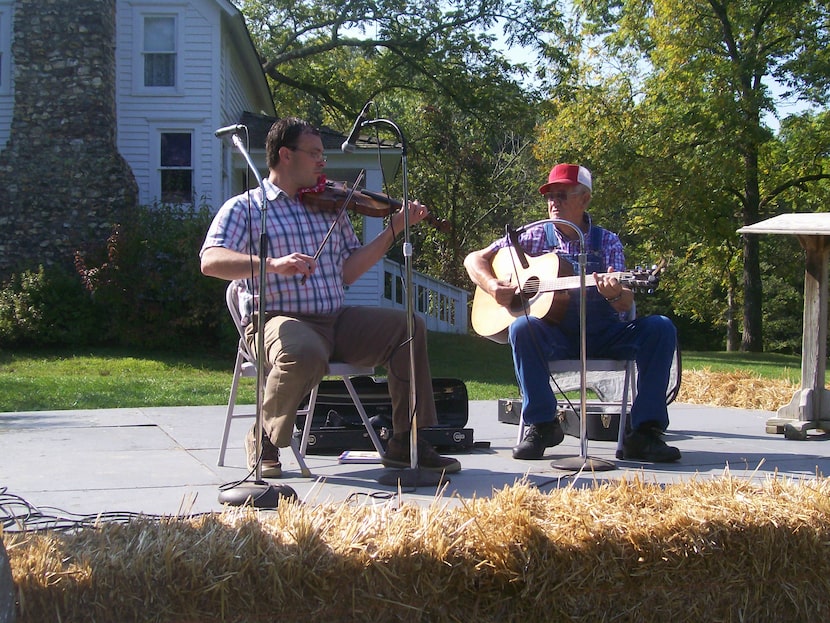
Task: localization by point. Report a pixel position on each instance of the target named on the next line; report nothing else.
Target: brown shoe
(397, 455)
(271, 466)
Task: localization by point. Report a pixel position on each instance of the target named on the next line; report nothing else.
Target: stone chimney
(62, 181)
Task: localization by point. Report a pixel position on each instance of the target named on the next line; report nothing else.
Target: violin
(332, 195)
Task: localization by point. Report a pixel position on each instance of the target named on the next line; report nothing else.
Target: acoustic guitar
(542, 291)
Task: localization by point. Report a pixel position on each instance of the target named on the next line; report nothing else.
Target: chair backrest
(235, 290)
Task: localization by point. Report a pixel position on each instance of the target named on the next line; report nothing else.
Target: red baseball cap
(567, 174)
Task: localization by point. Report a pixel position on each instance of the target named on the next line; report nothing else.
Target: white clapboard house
(185, 68)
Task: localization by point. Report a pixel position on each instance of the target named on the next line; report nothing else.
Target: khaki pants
(298, 349)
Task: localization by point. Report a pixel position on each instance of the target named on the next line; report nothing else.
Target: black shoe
(538, 437)
(645, 444)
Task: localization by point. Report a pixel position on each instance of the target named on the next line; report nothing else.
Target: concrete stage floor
(163, 461)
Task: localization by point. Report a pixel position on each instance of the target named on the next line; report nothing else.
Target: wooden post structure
(809, 408)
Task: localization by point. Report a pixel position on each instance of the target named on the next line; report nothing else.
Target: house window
(159, 51)
(176, 170)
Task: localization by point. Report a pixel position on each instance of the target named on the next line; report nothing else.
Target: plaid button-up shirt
(534, 242)
(290, 227)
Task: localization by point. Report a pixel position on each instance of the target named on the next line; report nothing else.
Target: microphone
(229, 129)
(348, 145)
(513, 235)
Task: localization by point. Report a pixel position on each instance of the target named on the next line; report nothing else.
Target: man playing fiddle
(307, 323)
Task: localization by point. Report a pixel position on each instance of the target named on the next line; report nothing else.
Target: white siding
(143, 114)
(236, 101)
(217, 84)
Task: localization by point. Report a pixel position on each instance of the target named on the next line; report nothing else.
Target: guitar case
(603, 422)
(336, 424)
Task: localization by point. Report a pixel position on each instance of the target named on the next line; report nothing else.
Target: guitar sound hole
(527, 292)
(530, 288)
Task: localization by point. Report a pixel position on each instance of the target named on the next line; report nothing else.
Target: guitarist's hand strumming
(503, 291)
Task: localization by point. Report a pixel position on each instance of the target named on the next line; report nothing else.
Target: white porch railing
(443, 306)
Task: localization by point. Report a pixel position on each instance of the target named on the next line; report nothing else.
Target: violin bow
(340, 211)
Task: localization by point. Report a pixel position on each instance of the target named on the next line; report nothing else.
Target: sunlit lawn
(107, 378)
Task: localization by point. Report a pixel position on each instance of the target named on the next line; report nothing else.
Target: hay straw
(738, 389)
(715, 550)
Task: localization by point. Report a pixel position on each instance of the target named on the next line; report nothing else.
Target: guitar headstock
(644, 281)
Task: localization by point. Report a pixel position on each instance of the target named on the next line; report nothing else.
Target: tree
(324, 58)
(466, 111)
(701, 103)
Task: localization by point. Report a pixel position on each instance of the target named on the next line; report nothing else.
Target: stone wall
(62, 181)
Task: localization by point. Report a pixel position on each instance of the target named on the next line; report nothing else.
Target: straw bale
(706, 550)
(738, 389)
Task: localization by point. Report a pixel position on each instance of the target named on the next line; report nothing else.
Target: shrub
(140, 287)
(147, 277)
(47, 307)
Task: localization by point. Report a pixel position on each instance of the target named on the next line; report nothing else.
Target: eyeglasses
(319, 156)
(561, 195)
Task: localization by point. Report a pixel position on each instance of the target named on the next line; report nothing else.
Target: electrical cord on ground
(19, 516)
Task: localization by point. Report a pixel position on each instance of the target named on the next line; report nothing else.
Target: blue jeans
(650, 341)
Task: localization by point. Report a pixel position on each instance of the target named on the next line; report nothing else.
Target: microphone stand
(259, 493)
(583, 461)
(413, 476)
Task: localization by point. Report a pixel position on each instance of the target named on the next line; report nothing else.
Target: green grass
(764, 365)
(109, 378)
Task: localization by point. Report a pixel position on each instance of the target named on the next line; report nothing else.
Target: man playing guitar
(537, 337)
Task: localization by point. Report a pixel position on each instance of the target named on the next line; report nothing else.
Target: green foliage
(476, 178)
(442, 50)
(783, 309)
(140, 287)
(47, 307)
(667, 108)
(150, 282)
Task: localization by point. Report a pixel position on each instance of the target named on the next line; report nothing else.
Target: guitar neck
(571, 282)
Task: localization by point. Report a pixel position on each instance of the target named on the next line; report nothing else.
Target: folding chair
(245, 366)
(571, 368)
(566, 374)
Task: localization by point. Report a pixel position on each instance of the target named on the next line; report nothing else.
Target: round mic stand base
(411, 478)
(579, 463)
(258, 494)
(583, 462)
